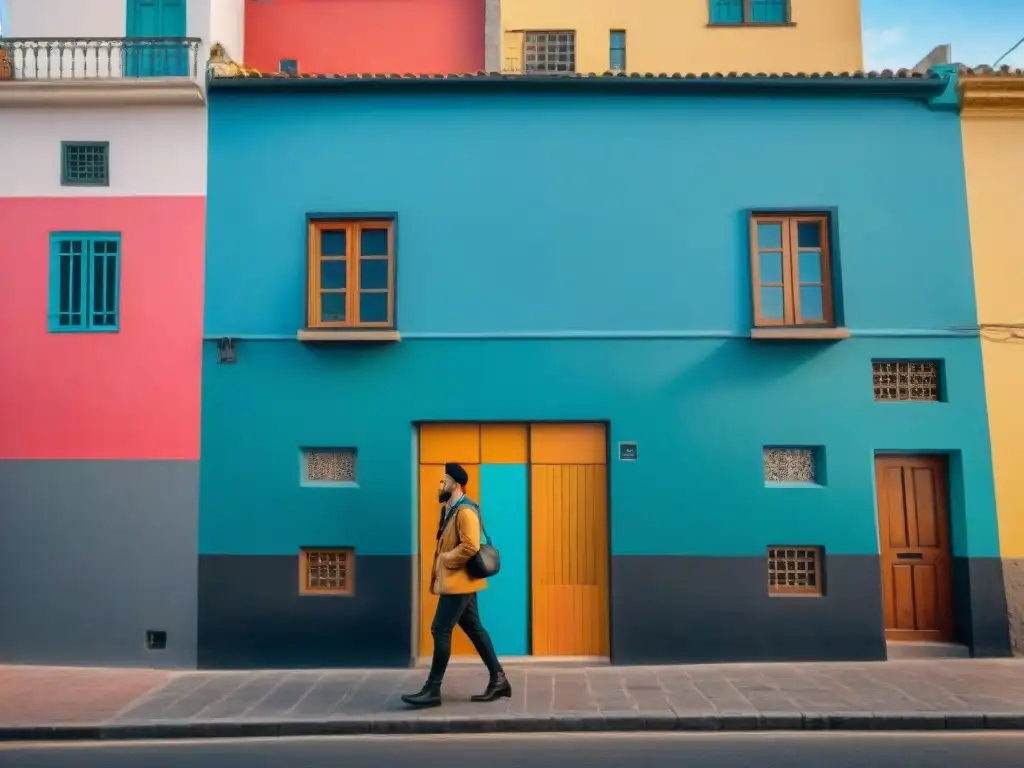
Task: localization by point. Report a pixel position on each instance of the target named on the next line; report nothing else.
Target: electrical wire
(1014, 48)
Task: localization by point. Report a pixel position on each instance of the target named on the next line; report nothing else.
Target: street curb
(653, 722)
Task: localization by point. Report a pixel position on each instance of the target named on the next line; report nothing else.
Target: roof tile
(987, 71)
(885, 74)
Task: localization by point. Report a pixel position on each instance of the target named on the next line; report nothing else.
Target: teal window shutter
(727, 11)
(769, 11)
(749, 11)
(85, 282)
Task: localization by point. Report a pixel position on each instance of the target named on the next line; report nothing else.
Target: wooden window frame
(353, 228)
(350, 572)
(747, 13)
(790, 270)
(819, 568)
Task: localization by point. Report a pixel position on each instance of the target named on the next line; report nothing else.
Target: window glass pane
(811, 303)
(373, 273)
(769, 235)
(373, 308)
(333, 273)
(76, 289)
(768, 11)
(333, 242)
(726, 11)
(810, 267)
(71, 263)
(617, 51)
(99, 284)
(111, 292)
(332, 307)
(374, 242)
(769, 268)
(808, 234)
(64, 289)
(772, 304)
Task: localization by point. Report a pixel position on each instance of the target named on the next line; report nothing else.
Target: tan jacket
(459, 541)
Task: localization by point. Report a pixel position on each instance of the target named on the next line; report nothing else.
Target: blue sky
(899, 33)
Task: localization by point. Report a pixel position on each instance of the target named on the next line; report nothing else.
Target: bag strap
(480, 517)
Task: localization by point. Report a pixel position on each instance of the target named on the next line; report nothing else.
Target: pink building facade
(102, 216)
(360, 36)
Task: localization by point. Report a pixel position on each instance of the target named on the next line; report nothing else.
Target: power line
(1014, 48)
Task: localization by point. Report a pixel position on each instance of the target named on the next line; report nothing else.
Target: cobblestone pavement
(38, 703)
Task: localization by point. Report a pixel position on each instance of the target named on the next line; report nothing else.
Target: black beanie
(456, 473)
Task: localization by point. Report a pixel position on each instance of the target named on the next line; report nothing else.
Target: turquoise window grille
(85, 282)
(85, 163)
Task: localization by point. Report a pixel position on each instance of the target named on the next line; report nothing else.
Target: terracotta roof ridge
(884, 74)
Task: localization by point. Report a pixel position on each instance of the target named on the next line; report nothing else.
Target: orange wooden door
(913, 526)
(440, 443)
(569, 539)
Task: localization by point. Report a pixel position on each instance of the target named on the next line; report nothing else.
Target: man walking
(458, 540)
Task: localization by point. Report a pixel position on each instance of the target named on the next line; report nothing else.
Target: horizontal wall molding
(868, 333)
(126, 92)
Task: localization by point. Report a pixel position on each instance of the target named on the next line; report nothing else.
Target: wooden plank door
(913, 527)
(569, 540)
(147, 56)
(441, 443)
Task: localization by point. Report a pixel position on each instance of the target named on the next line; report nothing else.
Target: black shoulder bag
(487, 561)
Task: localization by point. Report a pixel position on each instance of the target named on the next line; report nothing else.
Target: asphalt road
(763, 750)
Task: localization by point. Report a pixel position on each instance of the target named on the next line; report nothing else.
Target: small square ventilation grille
(790, 465)
(794, 570)
(330, 465)
(907, 380)
(86, 164)
(326, 571)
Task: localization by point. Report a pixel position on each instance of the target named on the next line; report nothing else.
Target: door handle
(910, 556)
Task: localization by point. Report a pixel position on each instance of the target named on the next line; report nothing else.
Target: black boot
(429, 696)
(498, 688)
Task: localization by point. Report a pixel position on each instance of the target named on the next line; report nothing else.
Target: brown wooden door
(913, 529)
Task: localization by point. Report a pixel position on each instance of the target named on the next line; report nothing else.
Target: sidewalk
(44, 703)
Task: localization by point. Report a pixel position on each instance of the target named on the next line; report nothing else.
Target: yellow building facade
(773, 36)
(992, 115)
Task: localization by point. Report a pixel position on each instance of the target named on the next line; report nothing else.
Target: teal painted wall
(584, 213)
(565, 216)
(700, 410)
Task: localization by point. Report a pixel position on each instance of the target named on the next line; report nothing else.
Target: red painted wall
(134, 394)
(366, 36)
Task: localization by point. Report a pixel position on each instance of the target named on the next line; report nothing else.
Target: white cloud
(889, 48)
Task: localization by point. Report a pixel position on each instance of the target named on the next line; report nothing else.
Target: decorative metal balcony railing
(96, 58)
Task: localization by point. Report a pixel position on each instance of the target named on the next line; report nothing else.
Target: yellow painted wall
(674, 36)
(994, 165)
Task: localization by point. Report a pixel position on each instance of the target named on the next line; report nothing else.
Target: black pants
(462, 611)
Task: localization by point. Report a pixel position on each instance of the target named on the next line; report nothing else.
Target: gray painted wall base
(92, 555)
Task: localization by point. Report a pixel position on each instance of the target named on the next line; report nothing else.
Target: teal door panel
(146, 54)
(505, 604)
